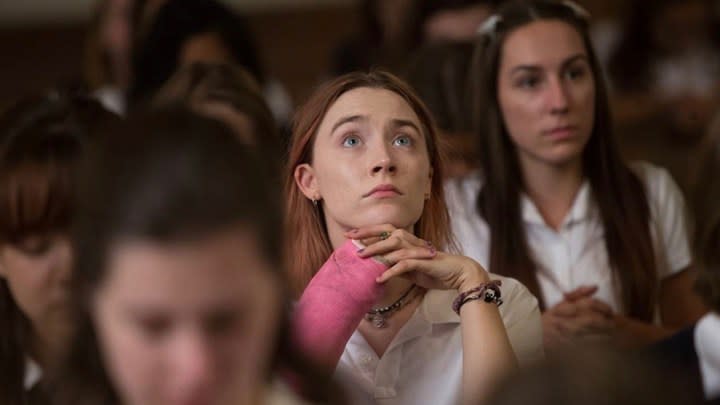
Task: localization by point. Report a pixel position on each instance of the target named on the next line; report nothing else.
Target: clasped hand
(417, 260)
(579, 316)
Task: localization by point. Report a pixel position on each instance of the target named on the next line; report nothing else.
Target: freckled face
(370, 162)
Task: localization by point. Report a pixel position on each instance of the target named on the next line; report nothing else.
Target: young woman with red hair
(367, 229)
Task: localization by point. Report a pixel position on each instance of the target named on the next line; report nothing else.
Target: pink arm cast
(334, 302)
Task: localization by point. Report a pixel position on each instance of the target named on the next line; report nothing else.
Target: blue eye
(402, 140)
(351, 141)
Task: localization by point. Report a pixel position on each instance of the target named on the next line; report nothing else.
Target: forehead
(541, 43)
(216, 265)
(373, 103)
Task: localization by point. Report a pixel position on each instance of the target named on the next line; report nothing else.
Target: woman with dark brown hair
(367, 230)
(178, 289)
(41, 141)
(602, 244)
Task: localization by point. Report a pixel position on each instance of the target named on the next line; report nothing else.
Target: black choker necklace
(379, 316)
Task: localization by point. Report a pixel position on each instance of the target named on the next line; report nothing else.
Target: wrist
(488, 292)
(474, 275)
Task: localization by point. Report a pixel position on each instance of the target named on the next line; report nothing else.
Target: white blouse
(707, 347)
(423, 364)
(575, 255)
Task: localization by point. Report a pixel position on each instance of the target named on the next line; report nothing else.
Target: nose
(382, 161)
(192, 366)
(558, 98)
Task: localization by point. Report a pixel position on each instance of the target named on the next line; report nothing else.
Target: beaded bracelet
(488, 292)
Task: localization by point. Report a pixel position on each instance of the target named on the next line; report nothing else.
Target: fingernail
(432, 250)
(428, 243)
(360, 251)
(353, 230)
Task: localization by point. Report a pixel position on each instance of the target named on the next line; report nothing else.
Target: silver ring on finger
(383, 260)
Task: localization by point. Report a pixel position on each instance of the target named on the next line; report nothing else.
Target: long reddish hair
(307, 244)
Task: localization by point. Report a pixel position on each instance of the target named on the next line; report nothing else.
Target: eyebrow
(568, 61)
(345, 120)
(395, 123)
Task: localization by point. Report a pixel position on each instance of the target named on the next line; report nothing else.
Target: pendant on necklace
(377, 320)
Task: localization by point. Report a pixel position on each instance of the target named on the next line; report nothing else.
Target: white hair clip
(579, 10)
(488, 26)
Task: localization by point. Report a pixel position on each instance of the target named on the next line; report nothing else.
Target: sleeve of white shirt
(521, 315)
(669, 216)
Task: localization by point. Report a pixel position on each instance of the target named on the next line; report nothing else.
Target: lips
(562, 132)
(383, 191)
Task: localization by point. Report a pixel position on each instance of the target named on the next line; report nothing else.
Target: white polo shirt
(575, 255)
(33, 373)
(423, 364)
(707, 347)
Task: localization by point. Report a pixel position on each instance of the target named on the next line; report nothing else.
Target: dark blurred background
(661, 57)
(42, 41)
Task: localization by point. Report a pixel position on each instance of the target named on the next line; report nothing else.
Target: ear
(428, 188)
(306, 181)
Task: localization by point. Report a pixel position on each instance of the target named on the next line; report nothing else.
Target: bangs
(35, 198)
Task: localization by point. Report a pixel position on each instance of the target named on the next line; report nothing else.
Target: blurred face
(115, 37)
(546, 92)
(205, 48)
(188, 323)
(682, 25)
(370, 162)
(37, 270)
(239, 122)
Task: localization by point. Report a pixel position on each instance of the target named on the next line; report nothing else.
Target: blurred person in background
(602, 244)
(393, 29)
(183, 32)
(590, 377)
(694, 353)
(439, 75)
(42, 140)
(665, 75)
(178, 288)
(113, 31)
(230, 94)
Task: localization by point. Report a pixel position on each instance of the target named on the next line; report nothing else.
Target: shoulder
(657, 180)
(669, 217)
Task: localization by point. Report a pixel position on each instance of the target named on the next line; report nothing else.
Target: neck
(552, 187)
(48, 343)
(336, 233)
(394, 289)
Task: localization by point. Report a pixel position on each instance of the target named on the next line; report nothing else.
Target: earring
(314, 201)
